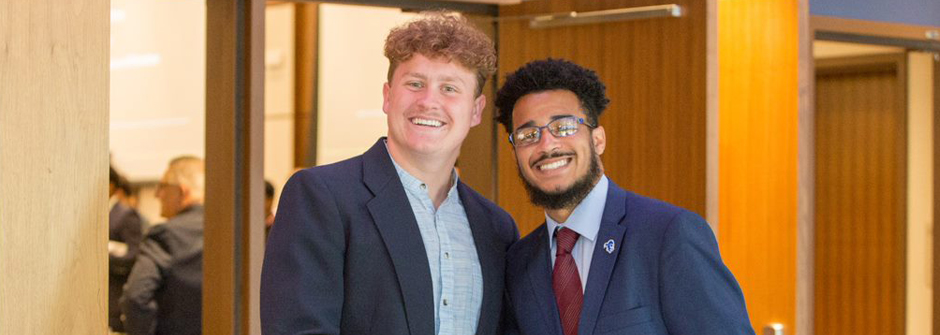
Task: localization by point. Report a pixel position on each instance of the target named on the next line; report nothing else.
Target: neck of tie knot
(565, 238)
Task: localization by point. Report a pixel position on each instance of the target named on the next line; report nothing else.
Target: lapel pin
(609, 246)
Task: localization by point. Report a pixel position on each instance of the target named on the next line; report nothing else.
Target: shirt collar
(586, 217)
(415, 185)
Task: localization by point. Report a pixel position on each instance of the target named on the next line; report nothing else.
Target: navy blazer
(124, 226)
(345, 255)
(663, 276)
(163, 295)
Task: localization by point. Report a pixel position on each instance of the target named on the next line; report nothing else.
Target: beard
(565, 198)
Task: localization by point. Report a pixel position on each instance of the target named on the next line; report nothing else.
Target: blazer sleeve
(131, 235)
(302, 276)
(138, 302)
(699, 293)
(508, 321)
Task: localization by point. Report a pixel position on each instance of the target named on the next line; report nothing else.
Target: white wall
(279, 95)
(158, 75)
(158, 90)
(352, 71)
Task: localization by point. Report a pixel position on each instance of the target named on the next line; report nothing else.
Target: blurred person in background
(164, 292)
(268, 207)
(124, 235)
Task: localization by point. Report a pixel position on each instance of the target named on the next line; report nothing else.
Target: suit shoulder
(124, 213)
(655, 209)
(334, 176)
(156, 231)
(525, 245)
(648, 214)
(338, 171)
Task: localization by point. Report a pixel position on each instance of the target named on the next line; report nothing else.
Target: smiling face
(431, 105)
(558, 171)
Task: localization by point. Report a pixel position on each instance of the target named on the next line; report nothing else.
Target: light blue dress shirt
(586, 221)
(452, 256)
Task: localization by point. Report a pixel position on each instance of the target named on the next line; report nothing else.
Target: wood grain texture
(861, 155)
(936, 199)
(477, 155)
(234, 237)
(655, 72)
(758, 98)
(53, 163)
(806, 177)
(305, 79)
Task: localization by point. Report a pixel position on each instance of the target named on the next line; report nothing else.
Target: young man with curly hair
(392, 242)
(606, 261)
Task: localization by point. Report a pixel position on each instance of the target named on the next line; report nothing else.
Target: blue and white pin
(610, 246)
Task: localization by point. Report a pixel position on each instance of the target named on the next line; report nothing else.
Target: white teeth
(554, 165)
(426, 122)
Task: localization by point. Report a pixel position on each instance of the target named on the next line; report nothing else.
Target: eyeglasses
(165, 185)
(561, 127)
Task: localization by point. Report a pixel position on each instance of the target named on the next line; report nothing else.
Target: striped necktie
(566, 282)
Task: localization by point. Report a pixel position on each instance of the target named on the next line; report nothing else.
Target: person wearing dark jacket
(605, 261)
(163, 294)
(392, 242)
(124, 235)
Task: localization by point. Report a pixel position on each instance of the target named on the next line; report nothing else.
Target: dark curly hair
(551, 74)
(442, 34)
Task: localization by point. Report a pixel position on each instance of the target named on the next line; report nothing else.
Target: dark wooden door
(861, 143)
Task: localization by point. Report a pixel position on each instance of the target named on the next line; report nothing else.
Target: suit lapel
(491, 258)
(398, 227)
(539, 271)
(611, 232)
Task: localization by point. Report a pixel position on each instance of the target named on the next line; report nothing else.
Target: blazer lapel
(492, 258)
(609, 237)
(398, 227)
(539, 271)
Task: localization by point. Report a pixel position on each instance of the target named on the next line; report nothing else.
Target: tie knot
(566, 239)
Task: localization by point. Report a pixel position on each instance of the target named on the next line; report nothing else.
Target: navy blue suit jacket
(663, 276)
(345, 255)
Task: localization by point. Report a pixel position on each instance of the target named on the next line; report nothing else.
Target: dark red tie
(566, 282)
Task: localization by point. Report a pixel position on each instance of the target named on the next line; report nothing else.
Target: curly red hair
(447, 35)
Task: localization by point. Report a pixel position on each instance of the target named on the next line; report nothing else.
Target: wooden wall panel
(758, 112)
(53, 163)
(305, 84)
(655, 72)
(478, 154)
(860, 196)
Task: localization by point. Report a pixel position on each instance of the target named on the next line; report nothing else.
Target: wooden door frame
(936, 196)
(889, 34)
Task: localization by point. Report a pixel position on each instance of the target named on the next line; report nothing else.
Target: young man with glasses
(606, 260)
(391, 242)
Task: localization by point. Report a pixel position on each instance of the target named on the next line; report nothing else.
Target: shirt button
(447, 255)
(445, 302)
(424, 186)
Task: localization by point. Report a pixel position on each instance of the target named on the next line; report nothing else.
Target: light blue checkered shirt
(452, 256)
